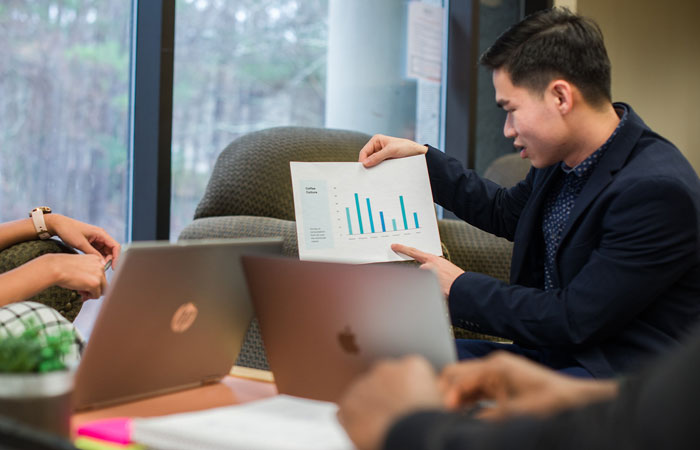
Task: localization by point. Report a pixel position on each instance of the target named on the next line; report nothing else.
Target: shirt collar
(588, 164)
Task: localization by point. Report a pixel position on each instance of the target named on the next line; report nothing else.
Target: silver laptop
(325, 323)
(174, 316)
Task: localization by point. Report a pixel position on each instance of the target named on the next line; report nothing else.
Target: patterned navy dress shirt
(561, 200)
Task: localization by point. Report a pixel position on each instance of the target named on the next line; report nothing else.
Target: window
(245, 65)
(64, 95)
(240, 66)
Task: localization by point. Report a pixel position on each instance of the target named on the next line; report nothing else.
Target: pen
(108, 265)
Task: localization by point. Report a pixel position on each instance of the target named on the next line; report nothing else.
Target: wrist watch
(37, 215)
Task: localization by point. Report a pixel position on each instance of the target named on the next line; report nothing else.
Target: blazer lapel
(613, 160)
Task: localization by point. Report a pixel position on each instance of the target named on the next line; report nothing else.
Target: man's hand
(382, 147)
(83, 273)
(390, 390)
(517, 386)
(446, 271)
(89, 239)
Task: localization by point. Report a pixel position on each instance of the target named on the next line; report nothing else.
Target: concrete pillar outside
(366, 88)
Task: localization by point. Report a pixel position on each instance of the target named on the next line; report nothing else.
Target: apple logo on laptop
(184, 317)
(347, 341)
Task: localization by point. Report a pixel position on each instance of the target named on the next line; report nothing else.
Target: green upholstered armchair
(507, 170)
(250, 195)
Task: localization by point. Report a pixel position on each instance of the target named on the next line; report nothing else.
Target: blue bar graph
(403, 213)
(359, 216)
(347, 213)
(383, 220)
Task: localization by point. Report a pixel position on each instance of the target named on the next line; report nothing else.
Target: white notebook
(277, 423)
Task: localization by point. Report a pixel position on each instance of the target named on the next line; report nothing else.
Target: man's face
(533, 121)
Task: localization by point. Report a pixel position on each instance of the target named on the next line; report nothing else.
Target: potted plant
(35, 382)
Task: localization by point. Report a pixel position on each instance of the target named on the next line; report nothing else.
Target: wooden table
(243, 385)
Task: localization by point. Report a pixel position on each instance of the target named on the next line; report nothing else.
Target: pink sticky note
(117, 430)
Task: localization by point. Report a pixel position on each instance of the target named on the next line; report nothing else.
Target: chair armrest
(65, 301)
(244, 227)
(475, 250)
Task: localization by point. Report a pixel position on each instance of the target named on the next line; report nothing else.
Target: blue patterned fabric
(561, 200)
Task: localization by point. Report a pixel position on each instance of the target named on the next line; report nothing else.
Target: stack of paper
(278, 423)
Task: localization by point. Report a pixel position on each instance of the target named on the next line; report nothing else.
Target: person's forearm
(16, 231)
(590, 391)
(26, 280)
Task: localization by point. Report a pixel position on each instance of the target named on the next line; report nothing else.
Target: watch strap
(40, 224)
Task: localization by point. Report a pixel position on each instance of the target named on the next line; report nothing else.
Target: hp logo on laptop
(184, 317)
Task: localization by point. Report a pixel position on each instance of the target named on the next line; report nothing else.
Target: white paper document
(348, 213)
(277, 423)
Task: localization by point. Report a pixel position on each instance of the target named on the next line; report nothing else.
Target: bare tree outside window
(64, 94)
(240, 66)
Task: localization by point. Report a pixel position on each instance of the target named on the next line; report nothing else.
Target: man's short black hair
(554, 43)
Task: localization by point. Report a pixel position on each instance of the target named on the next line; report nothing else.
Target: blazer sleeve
(479, 201)
(436, 430)
(649, 240)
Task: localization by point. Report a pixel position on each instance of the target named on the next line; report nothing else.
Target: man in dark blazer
(606, 225)
(504, 402)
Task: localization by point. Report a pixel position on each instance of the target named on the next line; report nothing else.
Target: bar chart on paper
(357, 214)
(345, 212)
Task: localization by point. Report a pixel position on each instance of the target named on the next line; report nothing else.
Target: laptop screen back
(174, 316)
(325, 323)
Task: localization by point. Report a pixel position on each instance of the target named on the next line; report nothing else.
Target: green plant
(35, 351)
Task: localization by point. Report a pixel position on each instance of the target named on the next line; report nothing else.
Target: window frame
(150, 119)
(151, 104)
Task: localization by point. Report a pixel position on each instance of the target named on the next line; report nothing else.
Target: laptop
(325, 323)
(174, 316)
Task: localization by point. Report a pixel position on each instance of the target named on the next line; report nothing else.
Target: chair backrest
(251, 176)
(508, 170)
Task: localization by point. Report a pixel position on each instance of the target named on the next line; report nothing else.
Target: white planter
(39, 400)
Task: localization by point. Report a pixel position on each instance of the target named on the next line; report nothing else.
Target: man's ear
(562, 93)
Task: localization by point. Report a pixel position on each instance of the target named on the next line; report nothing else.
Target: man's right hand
(389, 390)
(517, 386)
(83, 273)
(382, 147)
